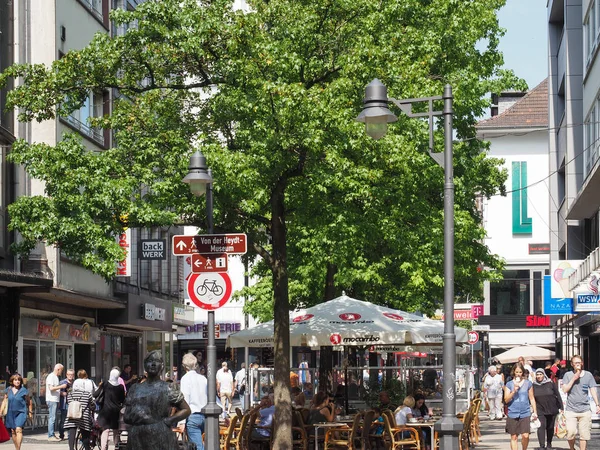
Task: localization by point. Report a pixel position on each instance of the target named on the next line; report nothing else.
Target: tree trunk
(282, 436)
(326, 354)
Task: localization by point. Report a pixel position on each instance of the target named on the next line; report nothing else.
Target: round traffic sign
(209, 290)
(473, 337)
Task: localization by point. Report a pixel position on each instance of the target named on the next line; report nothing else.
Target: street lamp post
(199, 178)
(376, 116)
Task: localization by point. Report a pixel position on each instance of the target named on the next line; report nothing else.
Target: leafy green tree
(270, 98)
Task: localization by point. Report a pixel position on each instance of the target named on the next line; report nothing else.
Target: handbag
(75, 410)
(534, 425)
(4, 434)
(4, 407)
(560, 427)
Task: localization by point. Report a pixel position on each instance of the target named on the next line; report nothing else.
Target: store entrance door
(64, 356)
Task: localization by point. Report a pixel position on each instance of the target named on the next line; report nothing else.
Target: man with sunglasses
(578, 384)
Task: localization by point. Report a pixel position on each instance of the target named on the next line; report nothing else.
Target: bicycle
(209, 285)
(94, 439)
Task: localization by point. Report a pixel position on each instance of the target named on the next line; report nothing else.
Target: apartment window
(95, 6)
(590, 30)
(80, 119)
(512, 294)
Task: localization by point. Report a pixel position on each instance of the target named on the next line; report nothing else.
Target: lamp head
(375, 113)
(198, 177)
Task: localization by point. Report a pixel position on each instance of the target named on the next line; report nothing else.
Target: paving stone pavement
(493, 438)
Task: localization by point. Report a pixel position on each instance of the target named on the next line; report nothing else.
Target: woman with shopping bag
(79, 414)
(549, 404)
(19, 408)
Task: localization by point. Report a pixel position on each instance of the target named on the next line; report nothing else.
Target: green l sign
(521, 223)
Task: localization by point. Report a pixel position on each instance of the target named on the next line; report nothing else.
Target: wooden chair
(263, 442)
(299, 436)
(344, 437)
(239, 440)
(399, 437)
(227, 437)
(239, 413)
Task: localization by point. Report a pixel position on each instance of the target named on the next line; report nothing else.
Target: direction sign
(232, 244)
(473, 337)
(209, 291)
(202, 263)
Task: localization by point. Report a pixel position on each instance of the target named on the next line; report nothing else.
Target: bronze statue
(148, 409)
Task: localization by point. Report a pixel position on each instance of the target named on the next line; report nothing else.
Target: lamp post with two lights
(376, 116)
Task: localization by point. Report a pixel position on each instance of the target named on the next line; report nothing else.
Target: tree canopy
(269, 95)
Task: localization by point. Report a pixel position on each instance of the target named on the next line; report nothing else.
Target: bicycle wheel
(217, 290)
(201, 290)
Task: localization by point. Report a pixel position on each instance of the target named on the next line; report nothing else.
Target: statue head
(153, 363)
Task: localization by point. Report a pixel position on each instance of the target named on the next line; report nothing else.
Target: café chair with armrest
(343, 436)
(400, 437)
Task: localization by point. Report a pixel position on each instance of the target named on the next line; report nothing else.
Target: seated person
(420, 410)
(404, 413)
(377, 428)
(298, 397)
(323, 410)
(385, 403)
(264, 421)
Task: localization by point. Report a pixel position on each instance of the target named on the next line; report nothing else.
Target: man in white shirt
(52, 398)
(194, 388)
(225, 387)
(240, 384)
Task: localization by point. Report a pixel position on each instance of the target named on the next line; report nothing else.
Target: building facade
(517, 224)
(574, 115)
(56, 311)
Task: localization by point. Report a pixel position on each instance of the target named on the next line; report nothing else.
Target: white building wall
(498, 216)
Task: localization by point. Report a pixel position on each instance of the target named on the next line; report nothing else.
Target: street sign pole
(211, 411)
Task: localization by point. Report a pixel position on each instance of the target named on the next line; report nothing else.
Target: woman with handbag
(522, 408)
(549, 403)
(19, 408)
(80, 413)
(113, 396)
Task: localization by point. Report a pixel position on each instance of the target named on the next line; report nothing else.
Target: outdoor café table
(325, 425)
(424, 424)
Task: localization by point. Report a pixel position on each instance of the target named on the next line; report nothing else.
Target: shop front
(513, 330)
(129, 334)
(44, 343)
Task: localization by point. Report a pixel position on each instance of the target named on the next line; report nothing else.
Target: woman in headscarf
(492, 389)
(110, 409)
(84, 423)
(549, 403)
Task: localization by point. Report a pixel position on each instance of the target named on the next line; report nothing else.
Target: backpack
(75, 410)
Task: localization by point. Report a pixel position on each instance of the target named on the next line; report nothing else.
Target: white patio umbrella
(526, 351)
(350, 322)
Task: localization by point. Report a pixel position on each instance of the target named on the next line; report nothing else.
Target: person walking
(492, 388)
(53, 388)
(578, 384)
(549, 403)
(225, 387)
(85, 383)
(518, 394)
(240, 384)
(19, 408)
(194, 388)
(62, 405)
(84, 422)
(110, 409)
